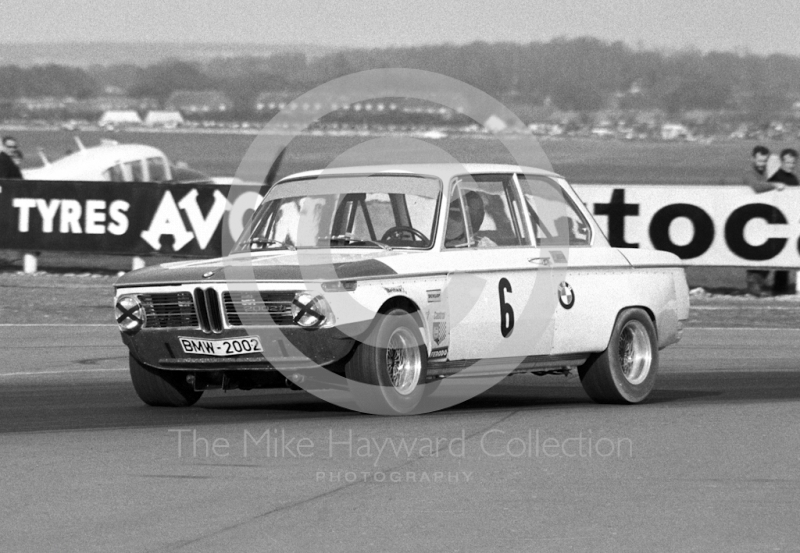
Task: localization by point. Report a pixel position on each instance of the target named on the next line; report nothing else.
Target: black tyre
(161, 388)
(626, 371)
(387, 371)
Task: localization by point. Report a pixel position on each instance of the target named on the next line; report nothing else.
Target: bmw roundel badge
(566, 297)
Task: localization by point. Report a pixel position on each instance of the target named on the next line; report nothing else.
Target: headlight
(129, 312)
(311, 311)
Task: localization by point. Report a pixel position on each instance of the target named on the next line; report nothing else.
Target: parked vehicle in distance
(115, 162)
(399, 276)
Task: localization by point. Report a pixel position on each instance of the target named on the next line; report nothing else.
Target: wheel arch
(644, 308)
(395, 302)
(406, 304)
(398, 302)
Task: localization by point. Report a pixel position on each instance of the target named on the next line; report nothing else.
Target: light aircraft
(115, 162)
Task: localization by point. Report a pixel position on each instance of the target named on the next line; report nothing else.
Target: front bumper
(285, 348)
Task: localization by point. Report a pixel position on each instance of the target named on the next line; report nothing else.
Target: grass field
(579, 160)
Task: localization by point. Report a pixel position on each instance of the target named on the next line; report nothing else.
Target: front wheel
(626, 371)
(161, 388)
(387, 371)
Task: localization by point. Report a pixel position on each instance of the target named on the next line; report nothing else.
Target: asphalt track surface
(710, 463)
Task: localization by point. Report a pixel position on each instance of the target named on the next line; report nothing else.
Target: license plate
(221, 347)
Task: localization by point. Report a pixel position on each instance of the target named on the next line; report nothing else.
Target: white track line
(733, 306)
(730, 328)
(35, 373)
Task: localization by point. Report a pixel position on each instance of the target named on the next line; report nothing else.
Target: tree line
(583, 74)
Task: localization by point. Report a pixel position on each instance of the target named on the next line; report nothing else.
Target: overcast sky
(761, 26)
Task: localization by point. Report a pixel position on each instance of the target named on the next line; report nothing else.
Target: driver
(455, 234)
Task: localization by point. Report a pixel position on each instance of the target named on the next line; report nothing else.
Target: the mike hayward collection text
(275, 443)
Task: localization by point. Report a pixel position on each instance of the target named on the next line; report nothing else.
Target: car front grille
(169, 310)
(202, 309)
(258, 308)
(208, 309)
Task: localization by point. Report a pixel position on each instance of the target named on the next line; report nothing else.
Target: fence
(704, 225)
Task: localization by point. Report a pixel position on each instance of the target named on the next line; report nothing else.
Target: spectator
(785, 175)
(10, 158)
(756, 178)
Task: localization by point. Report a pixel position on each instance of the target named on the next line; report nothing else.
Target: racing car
(393, 281)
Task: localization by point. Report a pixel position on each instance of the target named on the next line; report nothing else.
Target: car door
(498, 291)
(589, 277)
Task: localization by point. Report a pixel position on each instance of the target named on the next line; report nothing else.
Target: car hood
(298, 266)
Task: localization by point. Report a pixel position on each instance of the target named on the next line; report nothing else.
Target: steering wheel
(397, 232)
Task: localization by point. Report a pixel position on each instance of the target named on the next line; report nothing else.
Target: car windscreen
(375, 211)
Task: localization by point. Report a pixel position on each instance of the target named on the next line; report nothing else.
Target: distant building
(273, 100)
(421, 106)
(102, 104)
(538, 129)
(495, 124)
(674, 131)
(114, 118)
(163, 118)
(293, 102)
(602, 132)
(199, 101)
(42, 104)
(546, 129)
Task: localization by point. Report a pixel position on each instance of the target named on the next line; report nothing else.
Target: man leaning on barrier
(756, 177)
(785, 176)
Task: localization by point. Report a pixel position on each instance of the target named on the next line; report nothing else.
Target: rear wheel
(161, 388)
(387, 371)
(626, 371)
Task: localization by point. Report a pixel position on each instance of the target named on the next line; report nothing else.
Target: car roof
(442, 170)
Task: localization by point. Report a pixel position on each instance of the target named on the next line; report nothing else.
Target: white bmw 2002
(403, 278)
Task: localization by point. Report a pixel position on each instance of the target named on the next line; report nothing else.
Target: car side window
(555, 220)
(484, 212)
